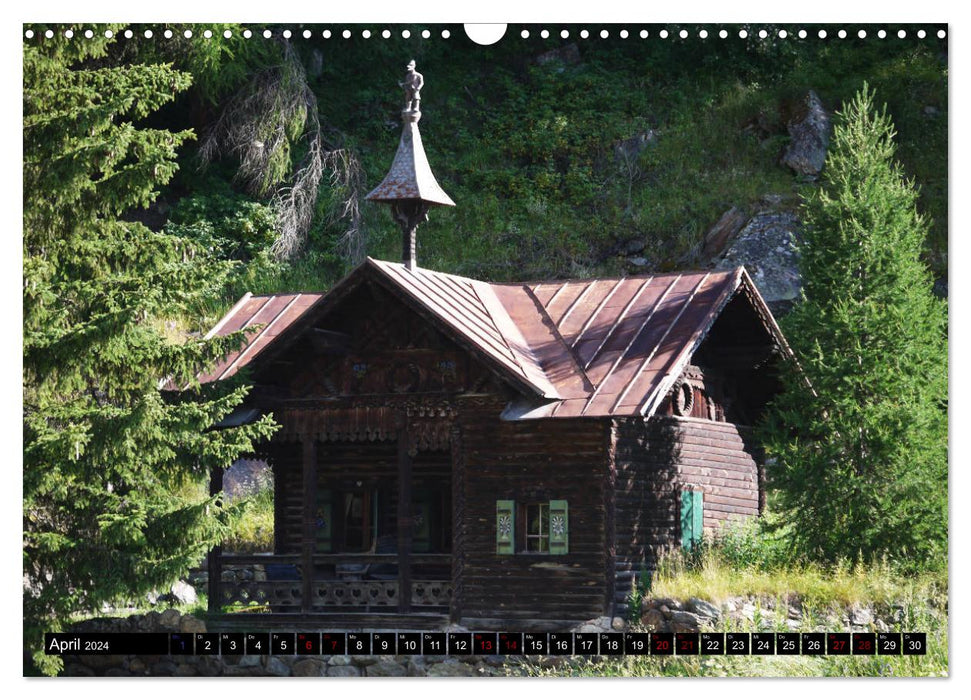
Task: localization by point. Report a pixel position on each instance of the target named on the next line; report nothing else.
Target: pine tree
(861, 459)
(107, 452)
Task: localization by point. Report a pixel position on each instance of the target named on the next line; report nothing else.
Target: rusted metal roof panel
(410, 176)
(588, 348)
(273, 313)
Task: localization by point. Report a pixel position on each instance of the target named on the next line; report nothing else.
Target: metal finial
(409, 187)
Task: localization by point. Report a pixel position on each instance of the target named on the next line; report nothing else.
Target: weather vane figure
(412, 85)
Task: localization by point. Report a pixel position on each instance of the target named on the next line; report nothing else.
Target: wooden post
(213, 563)
(458, 525)
(309, 516)
(404, 516)
(610, 517)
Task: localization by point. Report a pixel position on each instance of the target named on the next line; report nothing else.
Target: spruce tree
(861, 457)
(107, 451)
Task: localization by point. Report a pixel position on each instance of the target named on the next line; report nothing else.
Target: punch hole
(287, 33)
(921, 33)
(207, 34)
(545, 34)
(446, 34)
(188, 33)
(604, 33)
(227, 34)
(247, 34)
(306, 34)
(346, 34)
(366, 33)
(386, 34)
(29, 34)
(167, 33)
(841, 34)
(803, 34)
(941, 33)
(488, 34)
(683, 34)
(644, 34)
(663, 33)
(129, 34)
(703, 34)
(88, 34)
(267, 33)
(623, 34)
(763, 34)
(69, 34)
(584, 34)
(723, 34)
(822, 33)
(882, 34)
(743, 34)
(49, 34)
(425, 34)
(783, 33)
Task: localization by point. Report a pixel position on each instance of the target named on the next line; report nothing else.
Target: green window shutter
(559, 528)
(698, 513)
(505, 527)
(692, 518)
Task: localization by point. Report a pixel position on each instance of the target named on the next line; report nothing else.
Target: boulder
(767, 247)
(387, 668)
(191, 625)
(628, 150)
(169, 619)
(276, 667)
(704, 608)
(449, 669)
(689, 620)
(809, 132)
(719, 235)
(343, 672)
(310, 667)
(653, 619)
(181, 593)
(618, 624)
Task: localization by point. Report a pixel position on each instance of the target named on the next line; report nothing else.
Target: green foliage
(227, 227)
(254, 531)
(106, 452)
(861, 459)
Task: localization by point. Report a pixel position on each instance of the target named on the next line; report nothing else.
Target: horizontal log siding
(528, 462)
(720, 459)
(647, 497)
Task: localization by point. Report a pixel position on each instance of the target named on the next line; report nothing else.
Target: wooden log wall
(530, 462)
(720, 459)
(646, 500)
(657, 460)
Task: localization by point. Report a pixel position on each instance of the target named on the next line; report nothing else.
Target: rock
(137, 666)
(653, 619)
(594, 629)
(249, 661)
(191, 625)
(448, 669)
(182, 593)
(568, 55)
(618, 624)
(169, 620)
(340, 661)
(310, 667)
(633, 246)
(276, 667)
(387, 668)
(209, 666)
(77, 670)
(165, 668)
(666, 611)
(940, 287)
(638, 261)
(704, 608)
(368, 660)
(148, 623)
(687, 619)
(670, 603)
(627, 151)
(809, 132)
(931, 111)
(748, 611)
(343, 672)
(766, 246)
(185, 670)
(860, 616)
(417, 668)
(123, 672)
(718, 236)
(880, 625)
(100, 663)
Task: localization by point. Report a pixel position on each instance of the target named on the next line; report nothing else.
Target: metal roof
(594, 348)
(410, 176)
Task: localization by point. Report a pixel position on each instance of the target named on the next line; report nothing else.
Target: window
(537, 527)
(532, 528)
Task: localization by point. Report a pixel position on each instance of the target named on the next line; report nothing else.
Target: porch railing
(339, 583)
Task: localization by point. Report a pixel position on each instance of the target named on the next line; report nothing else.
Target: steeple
(409, 186)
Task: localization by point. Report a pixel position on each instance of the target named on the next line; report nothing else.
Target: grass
(747, 562)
